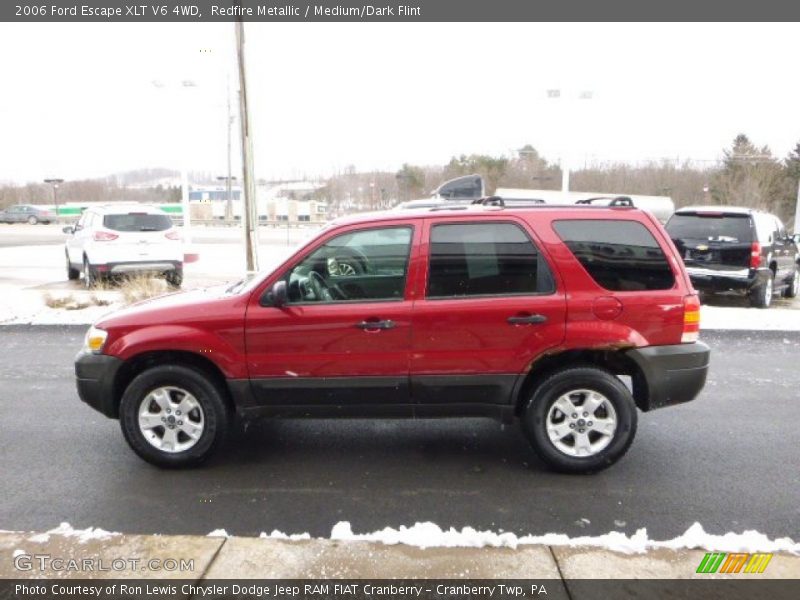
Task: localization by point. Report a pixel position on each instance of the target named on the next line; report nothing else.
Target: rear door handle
(526, 319)
(376, 325)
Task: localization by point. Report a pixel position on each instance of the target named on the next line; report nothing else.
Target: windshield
(713, 227)
(137, 222)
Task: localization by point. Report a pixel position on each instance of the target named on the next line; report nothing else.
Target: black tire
(793, 285)
(564, 381)
(214, 412)
(72, 274)
(89, 274)
(174, 278)
(761, 295)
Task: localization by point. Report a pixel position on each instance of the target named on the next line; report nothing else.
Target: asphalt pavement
(729, 460)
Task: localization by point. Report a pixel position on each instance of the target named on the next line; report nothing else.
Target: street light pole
(228, 190)
(565, 153)
(55, 183)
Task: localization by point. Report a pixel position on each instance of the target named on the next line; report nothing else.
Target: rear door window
(137, 222)
(485, 259)
(620, 256)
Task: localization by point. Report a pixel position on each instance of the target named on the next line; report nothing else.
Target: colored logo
(734, 562)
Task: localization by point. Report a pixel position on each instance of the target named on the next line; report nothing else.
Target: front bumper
(672, 374)
(723, 280)
(95, 374)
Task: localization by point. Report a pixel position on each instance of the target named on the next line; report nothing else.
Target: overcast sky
(79, 100)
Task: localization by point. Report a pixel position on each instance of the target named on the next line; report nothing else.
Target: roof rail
(500, 201)
(616, 201)
(446, 207)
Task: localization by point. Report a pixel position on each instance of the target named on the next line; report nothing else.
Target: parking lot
(727, 461)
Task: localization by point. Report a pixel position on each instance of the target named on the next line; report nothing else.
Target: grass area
(133, 289)
(70, 302)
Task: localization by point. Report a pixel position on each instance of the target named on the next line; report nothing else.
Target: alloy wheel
(171, 419)
(581, 423)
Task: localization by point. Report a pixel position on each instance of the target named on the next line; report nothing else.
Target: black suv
(727, 248)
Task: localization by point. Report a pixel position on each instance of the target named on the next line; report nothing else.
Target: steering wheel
(320, 287)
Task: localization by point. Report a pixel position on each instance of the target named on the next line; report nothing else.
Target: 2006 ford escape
(529, 313)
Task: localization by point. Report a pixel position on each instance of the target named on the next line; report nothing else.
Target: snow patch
(40, 538)
(429, 535)
(750, 319)
(18, 552)
(218, 533)
(83, 535)
(279, 535)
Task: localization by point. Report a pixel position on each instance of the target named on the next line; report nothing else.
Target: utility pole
(249, 214)
(229, 201)
(55, 183)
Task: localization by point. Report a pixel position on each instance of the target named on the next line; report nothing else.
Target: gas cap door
(607, 308)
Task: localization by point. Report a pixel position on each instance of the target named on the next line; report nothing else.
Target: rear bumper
(719, 280)
(95, 375)
(672, 374)
(150, 266)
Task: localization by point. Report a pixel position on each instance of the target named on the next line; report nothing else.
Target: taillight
(104, 236)
(172, 235)
(691, 319)
(755, 255)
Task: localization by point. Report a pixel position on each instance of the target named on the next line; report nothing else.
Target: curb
(95, 554)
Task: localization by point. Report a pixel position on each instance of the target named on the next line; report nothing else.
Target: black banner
(410, 11)
(736, 588)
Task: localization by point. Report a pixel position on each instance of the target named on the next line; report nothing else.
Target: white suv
(124, 239)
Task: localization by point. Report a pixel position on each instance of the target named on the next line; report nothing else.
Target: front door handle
(526, 319)
(376, 325)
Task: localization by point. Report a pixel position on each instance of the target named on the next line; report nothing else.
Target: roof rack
(616, 201)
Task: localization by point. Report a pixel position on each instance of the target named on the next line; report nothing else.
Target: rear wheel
(174, 278)
(580, 420)
(32, 220)
(72, 273)
(173, 416)
(793, 288)
(761, 295)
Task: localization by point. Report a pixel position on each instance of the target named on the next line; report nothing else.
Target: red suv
(567, 318)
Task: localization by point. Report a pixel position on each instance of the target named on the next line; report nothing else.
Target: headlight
(95, 340)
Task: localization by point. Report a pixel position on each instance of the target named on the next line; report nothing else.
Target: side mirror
(278, 296)
(68, 229)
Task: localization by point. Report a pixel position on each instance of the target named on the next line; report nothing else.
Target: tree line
(747, 175)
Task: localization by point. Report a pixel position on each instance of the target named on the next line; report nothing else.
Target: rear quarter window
(621, 256)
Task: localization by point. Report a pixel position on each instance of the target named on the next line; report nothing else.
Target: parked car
(535, 314)
(727, 248)
(27, 213)
(123, 239)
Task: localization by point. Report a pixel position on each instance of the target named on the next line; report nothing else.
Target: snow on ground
(430, 535)
(27, 272)
(83, 535)
(744, 318)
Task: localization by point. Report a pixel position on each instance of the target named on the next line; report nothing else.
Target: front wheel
(580, 420)
(72, 273)
(173, 416)
(32, 220)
